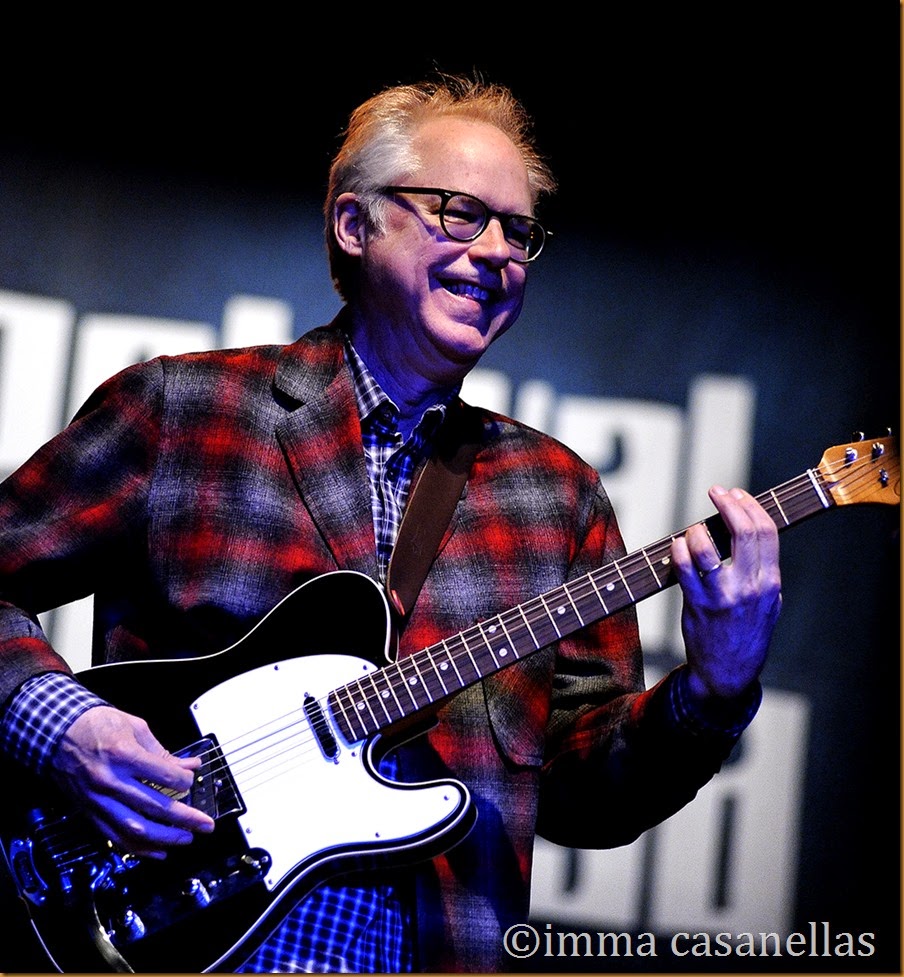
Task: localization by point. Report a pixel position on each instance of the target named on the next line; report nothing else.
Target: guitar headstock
(863, 471)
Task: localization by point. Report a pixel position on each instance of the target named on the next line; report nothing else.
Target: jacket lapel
(321, 440)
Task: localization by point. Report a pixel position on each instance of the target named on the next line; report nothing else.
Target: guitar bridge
(214, 790)
(25, 872)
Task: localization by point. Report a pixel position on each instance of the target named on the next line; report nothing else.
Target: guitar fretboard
(385, 696)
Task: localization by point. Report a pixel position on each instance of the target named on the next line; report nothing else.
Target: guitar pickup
(213, 790)
(321, 727)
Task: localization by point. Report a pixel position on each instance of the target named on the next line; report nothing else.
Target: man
(193, 493)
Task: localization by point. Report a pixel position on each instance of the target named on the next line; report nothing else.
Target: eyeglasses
(464, 217)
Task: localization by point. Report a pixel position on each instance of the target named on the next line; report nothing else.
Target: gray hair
(377, 148)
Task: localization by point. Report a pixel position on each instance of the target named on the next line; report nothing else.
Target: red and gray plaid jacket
(192, 493)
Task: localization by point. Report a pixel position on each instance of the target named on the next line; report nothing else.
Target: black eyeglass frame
(446, 195)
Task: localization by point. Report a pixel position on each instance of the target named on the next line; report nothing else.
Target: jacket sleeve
(70, 512)
(619, 758)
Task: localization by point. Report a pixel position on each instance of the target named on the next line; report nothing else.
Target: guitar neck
(414, 683)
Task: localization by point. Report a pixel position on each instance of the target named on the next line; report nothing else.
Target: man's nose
(492, 245)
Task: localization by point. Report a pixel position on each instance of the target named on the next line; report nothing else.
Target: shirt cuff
(726, 719)
(39, 714)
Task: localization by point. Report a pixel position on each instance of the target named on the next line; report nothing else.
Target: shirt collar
(375, 405)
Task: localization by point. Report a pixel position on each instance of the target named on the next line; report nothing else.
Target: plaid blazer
(192, 493)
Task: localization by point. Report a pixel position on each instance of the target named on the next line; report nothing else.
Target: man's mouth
(468, 290)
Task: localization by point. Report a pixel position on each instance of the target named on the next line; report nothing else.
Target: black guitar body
(209, 905)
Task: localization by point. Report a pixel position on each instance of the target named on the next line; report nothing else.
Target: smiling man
(424, 313)
(193, 493)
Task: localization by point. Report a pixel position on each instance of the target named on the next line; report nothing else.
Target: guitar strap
(431, 502)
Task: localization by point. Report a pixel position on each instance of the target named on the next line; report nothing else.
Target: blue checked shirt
(337, 929)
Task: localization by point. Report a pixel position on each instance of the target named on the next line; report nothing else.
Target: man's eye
(462, 210)
(461, 217)
(519, 233)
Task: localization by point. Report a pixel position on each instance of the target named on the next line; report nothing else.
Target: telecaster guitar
(289, 752)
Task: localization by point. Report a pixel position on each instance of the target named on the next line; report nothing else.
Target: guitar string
(535, 613)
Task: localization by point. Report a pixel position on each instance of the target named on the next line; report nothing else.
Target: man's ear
(349, 224)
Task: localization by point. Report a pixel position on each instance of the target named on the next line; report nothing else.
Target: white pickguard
(301, 803)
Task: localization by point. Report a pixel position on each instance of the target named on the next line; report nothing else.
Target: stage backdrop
(670, 352)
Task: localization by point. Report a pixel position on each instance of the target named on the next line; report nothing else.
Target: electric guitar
(289, 751)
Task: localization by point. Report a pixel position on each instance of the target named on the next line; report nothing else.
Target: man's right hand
(106, 761)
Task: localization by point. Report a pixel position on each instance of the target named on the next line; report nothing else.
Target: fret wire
(603, 573)
(550, 616)
(428, 655)
(539, 614)
(381, 696)
(377, 694)
(400, 669)
(530, 630)
(652, 568)
(795, 489)
(515, 615)
(818, 489)
(423, 682)
(486, 641)
(597, 592)
(779, 509)
(364, 702)
(461, 681)
(438, 670)
(535, 611)
(567, 591)
(353, 712)
(638, 570)
(470, 653)
(802, 502)
(625, 582)
(336, 697)
(460, 656)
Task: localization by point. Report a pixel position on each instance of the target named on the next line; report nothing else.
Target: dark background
(772, 125)
(703, 145)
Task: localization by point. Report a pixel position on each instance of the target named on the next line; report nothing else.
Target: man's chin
(465, 345)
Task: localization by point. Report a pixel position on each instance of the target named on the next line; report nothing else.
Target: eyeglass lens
(464, 218)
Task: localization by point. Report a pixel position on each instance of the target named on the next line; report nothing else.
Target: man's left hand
(730, 608)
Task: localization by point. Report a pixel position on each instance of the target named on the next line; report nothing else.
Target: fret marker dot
(385, 693)
(360, 707)
(444, 666)
(666, 560)
(560, 610)
(503, 652)
(412, 681)
(611, 586)
(492, 629)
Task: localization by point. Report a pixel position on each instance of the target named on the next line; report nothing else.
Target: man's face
(440, 303)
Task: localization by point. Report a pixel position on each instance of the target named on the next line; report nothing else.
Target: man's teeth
(472, 291)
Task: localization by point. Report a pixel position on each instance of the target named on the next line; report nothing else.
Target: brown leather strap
(431, 502)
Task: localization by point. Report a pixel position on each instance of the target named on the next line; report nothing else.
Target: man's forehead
(450, 130)
(455, 148)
